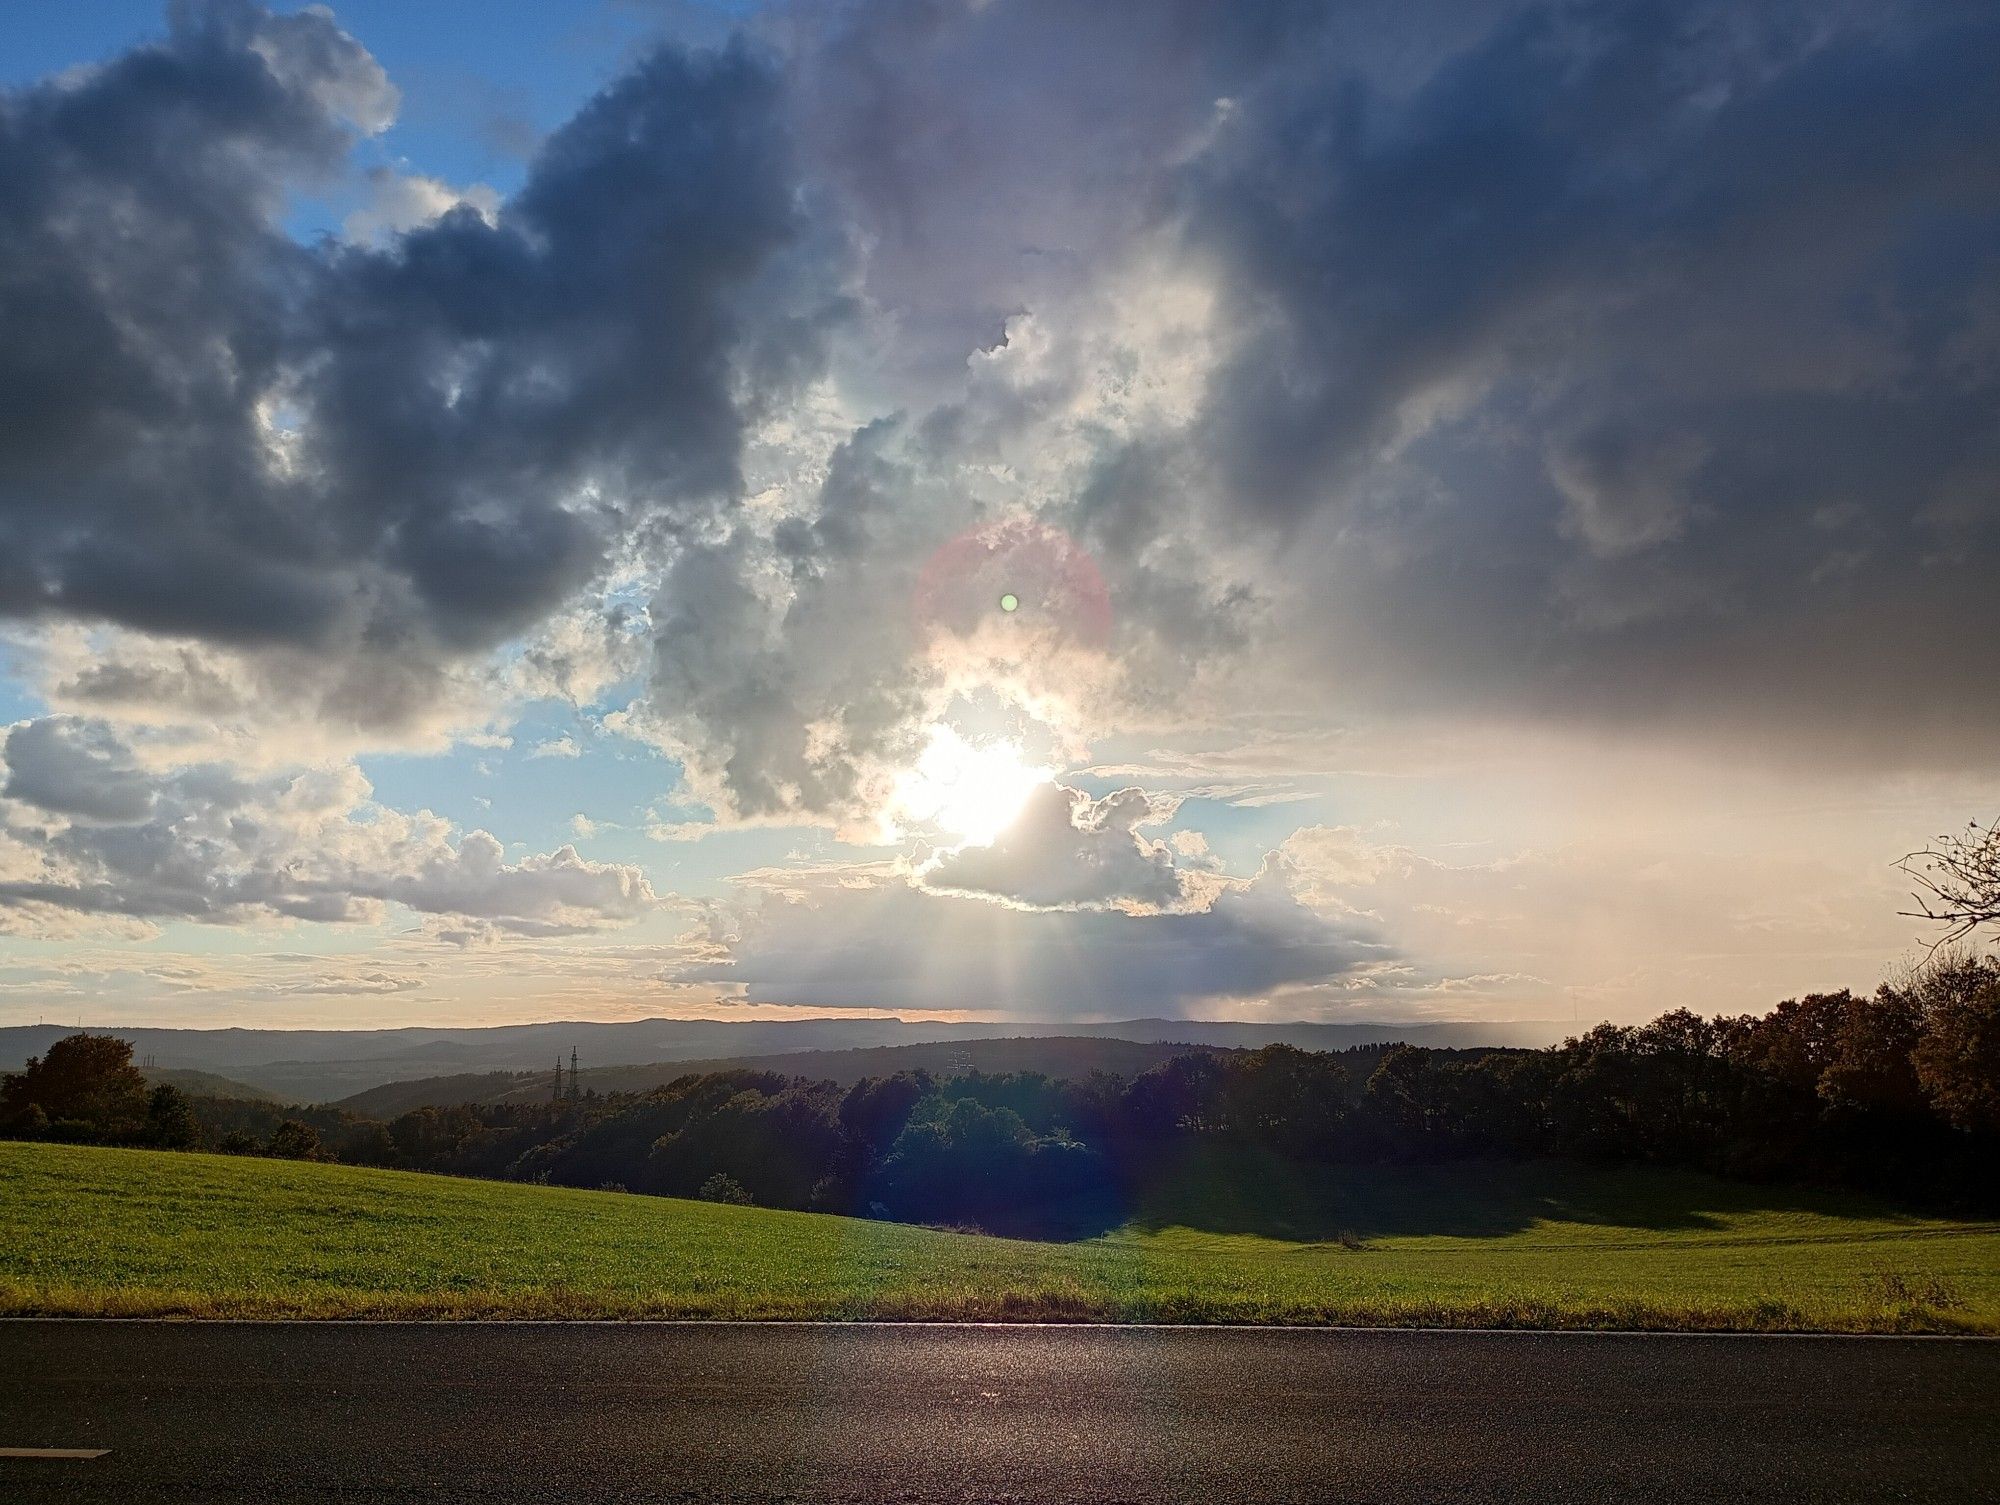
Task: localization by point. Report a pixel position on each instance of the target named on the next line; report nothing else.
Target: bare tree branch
(1958, 881)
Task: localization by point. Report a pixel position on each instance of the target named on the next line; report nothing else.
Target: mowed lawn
(131, 1232)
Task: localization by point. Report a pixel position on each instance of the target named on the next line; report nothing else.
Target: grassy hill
(129, 1232)
(1052, 1055)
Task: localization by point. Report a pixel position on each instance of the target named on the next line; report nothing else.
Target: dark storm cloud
(994, 151)
(1587, 192)
(1628, 360)
(209, 430)
(1611, 361)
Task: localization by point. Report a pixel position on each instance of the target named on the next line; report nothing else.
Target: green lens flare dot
(1010, 602)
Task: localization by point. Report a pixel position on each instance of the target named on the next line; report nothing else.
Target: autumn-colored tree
(1957, 1055)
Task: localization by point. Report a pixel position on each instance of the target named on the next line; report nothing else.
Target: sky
(989, 508)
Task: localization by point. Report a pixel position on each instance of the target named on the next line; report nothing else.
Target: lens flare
(1034, 573)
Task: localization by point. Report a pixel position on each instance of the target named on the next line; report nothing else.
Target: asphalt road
(273, 1412)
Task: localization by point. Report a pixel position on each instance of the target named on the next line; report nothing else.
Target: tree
(959, 1161)
(366, 1143)
(777, 1146)
(954, 1159)
(293, 1140)
(170, 1120)
(428, 1137)
(876, 1108)
(1958, 881)
(1397, 1107)
(723, 1187)
(85, 1079)
(1180, 1095)
(1294, 1100)
(1871, 1068)
(1957, 1054)
(32, 1123)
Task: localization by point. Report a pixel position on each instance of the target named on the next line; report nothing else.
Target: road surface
(274, 1412)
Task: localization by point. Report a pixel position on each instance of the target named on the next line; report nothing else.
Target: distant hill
(323, 1065)
(208, 1084)
(1052, 1055)
(393, 1099)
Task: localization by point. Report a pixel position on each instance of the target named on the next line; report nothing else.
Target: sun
(969, 790)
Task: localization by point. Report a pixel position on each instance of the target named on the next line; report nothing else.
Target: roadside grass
(104, 1232)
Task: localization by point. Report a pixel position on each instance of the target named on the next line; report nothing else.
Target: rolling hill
(1053, 1055)
(208, 1084)
(323, 1065)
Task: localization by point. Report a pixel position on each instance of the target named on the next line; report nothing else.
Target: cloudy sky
(1008, 507)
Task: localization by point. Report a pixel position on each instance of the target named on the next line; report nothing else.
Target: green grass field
(99, 1232)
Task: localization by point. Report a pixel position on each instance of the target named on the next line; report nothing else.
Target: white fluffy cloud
(181, 700)
(103, 836)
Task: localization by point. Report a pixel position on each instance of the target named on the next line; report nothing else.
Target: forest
(1896, 1092)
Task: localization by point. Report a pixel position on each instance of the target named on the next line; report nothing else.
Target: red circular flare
(1058, 585)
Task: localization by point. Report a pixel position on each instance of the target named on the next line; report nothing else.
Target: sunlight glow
(971, 791)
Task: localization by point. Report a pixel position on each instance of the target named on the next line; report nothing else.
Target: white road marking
(53, 1452)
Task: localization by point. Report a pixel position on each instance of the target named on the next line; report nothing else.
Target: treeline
(1898, 1091)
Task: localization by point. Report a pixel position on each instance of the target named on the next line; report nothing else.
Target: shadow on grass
(1215, 1190)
